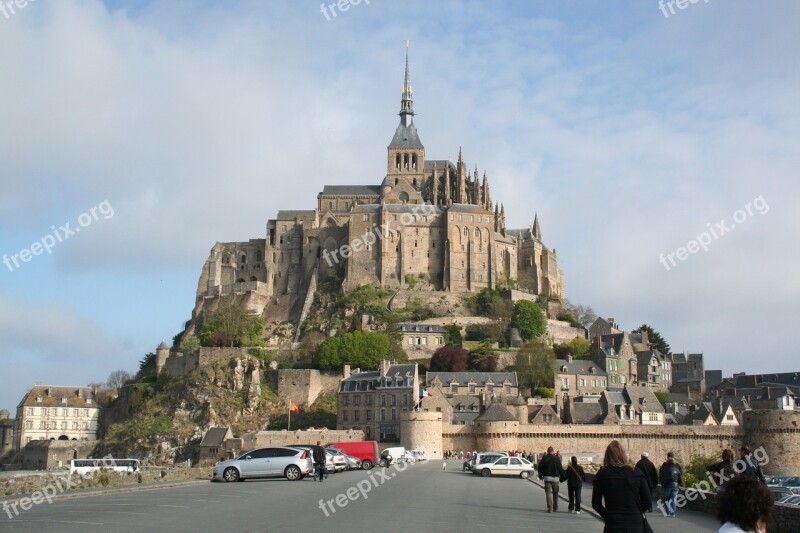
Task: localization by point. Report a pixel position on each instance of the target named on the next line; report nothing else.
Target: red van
(366, 450)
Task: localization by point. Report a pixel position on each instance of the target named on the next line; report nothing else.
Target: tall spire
(536, 230)
(407, 103)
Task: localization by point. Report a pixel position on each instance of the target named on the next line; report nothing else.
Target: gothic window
(397, 161)
(477, 233)
(244, 258)
(405, 161)
(330, 206)
(414, 164)
(403, 197)
(466, 232)
(259, 257)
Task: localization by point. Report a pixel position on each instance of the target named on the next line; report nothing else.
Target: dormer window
(38, 399)
(564, 368)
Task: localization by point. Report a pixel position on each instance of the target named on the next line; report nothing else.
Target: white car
(419, 455)
(505, 466)
(392, 455)
(338, 457)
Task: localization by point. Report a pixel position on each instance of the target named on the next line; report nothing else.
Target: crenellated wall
(777, 431)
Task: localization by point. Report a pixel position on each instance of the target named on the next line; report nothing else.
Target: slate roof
(214, 437)
(440, 165)
(578, 367)
(351, 190)
(52, 397)
(406, 137)
(465, 400)
(496, 412)
(643, 399)
(469, 208)
(371, 380)
(291, 215)
(480, 378)
(421, 328)
(586, 413)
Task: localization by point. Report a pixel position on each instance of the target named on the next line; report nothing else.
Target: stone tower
(162, 353)
(405, 169)
(422, 430)
(779, 433)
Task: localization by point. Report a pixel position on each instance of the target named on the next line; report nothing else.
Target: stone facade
(60, 413)
(261, 439)
(419, 341)
(560, 332)
(430, 220)
(777, 431)
(577, 377)
(304, 386)
(52, 454)
(374, 401)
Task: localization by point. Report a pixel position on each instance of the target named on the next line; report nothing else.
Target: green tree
(529, 319)
(189, 343)
(356, 348)
(483, 358)
(232, 325)
(656, 340)
(580, 348)
(453, 335)
(534, 364)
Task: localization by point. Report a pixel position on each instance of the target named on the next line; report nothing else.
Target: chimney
(569, 357)
(384, 366)
(346, 371)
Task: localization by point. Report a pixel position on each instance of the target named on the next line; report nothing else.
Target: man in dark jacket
(649, 470)
(551, 472)
(671, 478)
(320, 457)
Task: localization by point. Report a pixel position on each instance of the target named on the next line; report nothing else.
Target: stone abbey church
(430, 219)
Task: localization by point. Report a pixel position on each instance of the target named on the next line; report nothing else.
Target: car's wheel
(366, 464)
(292, 473)
(486, 472)
(524, 475)
(231, 474)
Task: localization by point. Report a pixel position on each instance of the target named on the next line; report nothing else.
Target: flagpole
(289, 425)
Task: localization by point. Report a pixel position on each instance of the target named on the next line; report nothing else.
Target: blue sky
(628, 131)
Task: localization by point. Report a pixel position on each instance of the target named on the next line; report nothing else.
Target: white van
(392, 455)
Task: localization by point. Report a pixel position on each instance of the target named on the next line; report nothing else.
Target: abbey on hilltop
(430, 220)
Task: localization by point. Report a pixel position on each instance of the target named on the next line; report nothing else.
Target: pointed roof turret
(537, 231)
(406, 134)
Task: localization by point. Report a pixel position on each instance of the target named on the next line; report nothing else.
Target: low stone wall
(785, 517)
(62, 481)
(684, 441)
(289, 438)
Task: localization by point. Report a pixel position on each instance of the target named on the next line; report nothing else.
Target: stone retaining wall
(28, 483)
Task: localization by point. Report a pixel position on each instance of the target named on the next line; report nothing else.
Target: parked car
(290, 462)
(485, 457)
(792, 483)
(329, 466)
(776, 481)
(339, 462)
(782, 492)
(366, 451)
(419, 455)
(791, 500)
(353, 463)
(505, 466)
(392, 455)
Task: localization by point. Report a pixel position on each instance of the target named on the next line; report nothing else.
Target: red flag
(293, 407)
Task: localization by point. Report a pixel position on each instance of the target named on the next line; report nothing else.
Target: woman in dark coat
(620, 493)
(575, 479)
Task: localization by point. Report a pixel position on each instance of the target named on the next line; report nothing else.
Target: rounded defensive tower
(778, 432)
(422, 430)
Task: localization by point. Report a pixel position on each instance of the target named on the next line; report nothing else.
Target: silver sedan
(275, 461)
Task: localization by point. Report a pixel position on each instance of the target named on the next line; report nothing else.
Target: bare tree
(117, 379)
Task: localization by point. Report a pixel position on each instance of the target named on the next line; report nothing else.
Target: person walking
(671, 478)
(575, 479)
(551, 472)
(745, 506)
(620, 493)
(649, 470)
(319, 455)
